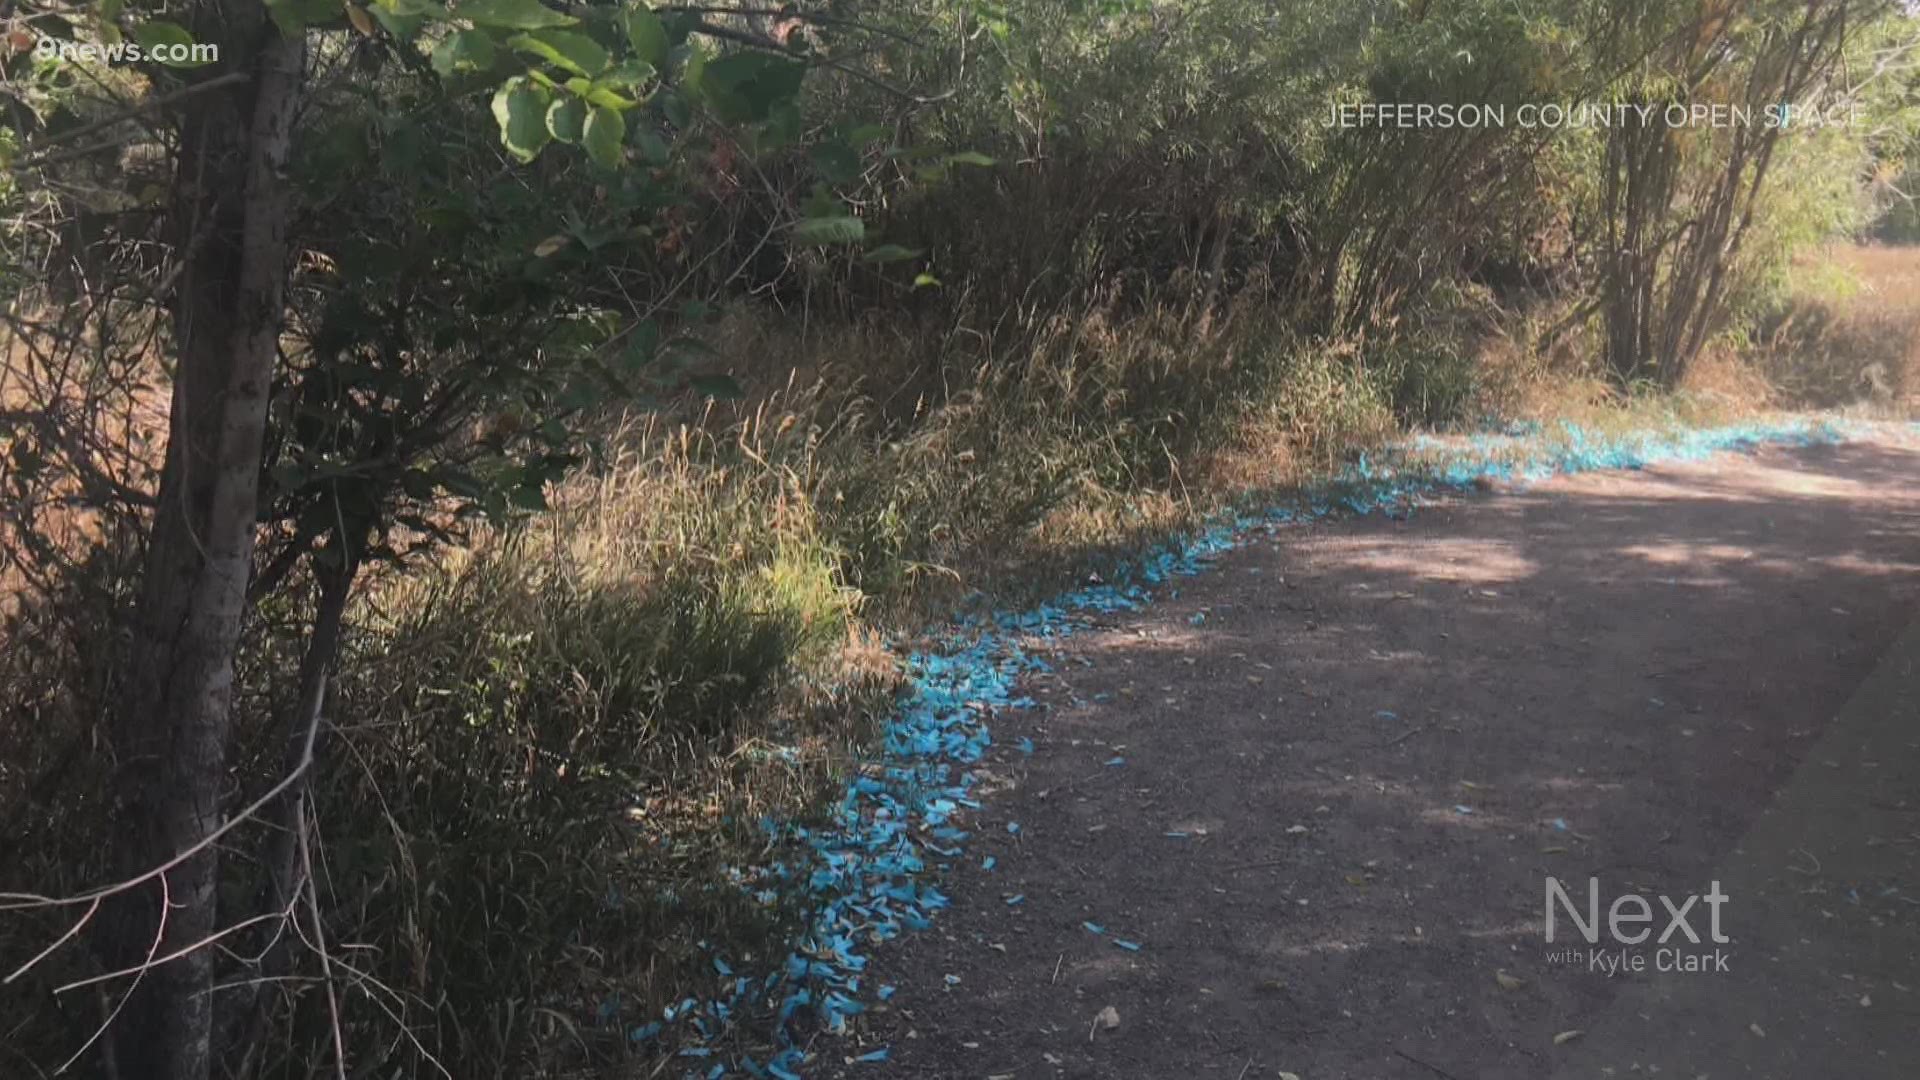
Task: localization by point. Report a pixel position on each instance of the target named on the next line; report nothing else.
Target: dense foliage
(626, 371)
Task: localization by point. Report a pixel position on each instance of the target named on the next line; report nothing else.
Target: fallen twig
(1428, 1065)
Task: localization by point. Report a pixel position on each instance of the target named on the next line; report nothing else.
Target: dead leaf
(1507, 982)
(550, 245)
(1567, 1037)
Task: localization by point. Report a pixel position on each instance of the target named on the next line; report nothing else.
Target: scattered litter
(1094, 928)
(1115, 762)
(864, 873)
(1386, 714)
(1462, 808)
(1130, 946)
(989, 863)
(1105, 1020)
(872, 1055)
(1016, 898)
(1567, 1037)
(1506, 981)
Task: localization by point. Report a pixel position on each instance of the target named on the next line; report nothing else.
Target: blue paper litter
(864, 876)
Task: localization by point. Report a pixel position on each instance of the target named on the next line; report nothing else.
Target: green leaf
(566, 117)
(970, 157)
(463, 51)
(603, 134)
(643, 345)
(627, 73)
(647, 36)
(294, 16)
(744, 87)
(842, 229)
(529, 494)
(426, 9)
(653, 148)
(512, 14)
(836, 161)
(673, 106)
(600, 95)
(520, 107)
(577, 53)
(886, 253)
(401, 27)
(169, 40)
(924, 280)
(717, 386)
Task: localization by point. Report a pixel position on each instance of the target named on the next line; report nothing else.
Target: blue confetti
(861, 872)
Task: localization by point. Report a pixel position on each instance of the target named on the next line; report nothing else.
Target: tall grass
(551, 753)
(554, 750)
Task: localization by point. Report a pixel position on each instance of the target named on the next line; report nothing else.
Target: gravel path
(1321, 789)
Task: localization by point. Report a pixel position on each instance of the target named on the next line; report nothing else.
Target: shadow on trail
(1323, 784)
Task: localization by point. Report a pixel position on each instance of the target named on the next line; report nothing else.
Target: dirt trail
(1321, 788)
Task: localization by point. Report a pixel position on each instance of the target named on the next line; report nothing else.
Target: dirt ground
(1321, 788)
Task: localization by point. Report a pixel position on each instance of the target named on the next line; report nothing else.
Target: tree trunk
(230, 220)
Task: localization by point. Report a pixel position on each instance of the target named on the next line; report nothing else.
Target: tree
(1681, 199)
(229, 218)
(313, 447)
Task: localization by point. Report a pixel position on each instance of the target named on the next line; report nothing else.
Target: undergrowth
(552, 756)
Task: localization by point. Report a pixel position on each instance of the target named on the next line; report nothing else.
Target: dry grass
(555, 747)
(1848, 335)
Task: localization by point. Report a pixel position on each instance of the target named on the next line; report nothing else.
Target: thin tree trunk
(172, 728)
(304, 732)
